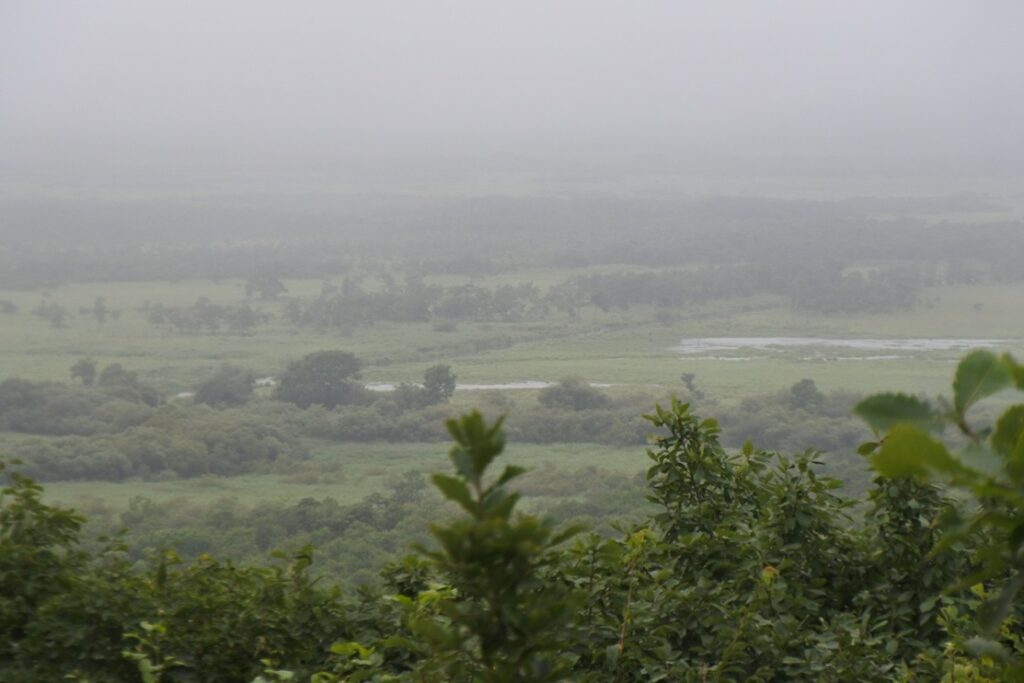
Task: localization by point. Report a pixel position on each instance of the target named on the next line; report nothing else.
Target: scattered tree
(265, 283)
(805, 394)
(85, 370)
(229, 386)
(689, 379)
(439, 383)
(100, 310)
(323, 378)
(117, 381)
(572, 393)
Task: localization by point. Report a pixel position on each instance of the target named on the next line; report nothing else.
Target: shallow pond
(703, 346)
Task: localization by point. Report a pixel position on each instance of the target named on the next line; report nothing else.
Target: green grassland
(631, 350)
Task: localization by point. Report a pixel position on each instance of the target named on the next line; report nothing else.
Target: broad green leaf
(882, 411)
(979, 374)
(909, 452)
(454, 489)
(1009, 428)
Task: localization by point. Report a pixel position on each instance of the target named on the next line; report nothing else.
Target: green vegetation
(749, 568)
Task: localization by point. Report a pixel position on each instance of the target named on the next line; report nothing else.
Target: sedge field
(347, 472)
(630, 349)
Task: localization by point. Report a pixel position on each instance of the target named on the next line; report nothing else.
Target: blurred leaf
(907, 452)
(1007, 437)
(883, 411)
(511, 472)
(456, 490)
(982, 459)
(980, 374)
(983, 647)
(867, 448)
(992, 613)
(1016, 370)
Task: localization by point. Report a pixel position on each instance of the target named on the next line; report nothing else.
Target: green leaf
(500, 506)
(883, 411)
(909, 452)
(980, 374)
(510, 473)
(611, 656)
(351, 648)
(1007, 437)
(1016, 370)
(867, 448)
(455, 489)
(463, 462)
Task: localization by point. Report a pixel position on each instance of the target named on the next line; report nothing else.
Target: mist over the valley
(734, 288)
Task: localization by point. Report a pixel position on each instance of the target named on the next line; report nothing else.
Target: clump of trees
(125, 384)
(798, 417)
(174, 442)
(324, 378)
(438, 386)
(53, 313)
(264, 283)
(85, 370)
(108, 401)
(229, 386)
(572, 393)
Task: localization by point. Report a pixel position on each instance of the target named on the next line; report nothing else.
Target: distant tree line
(206, 317)
(448, 236)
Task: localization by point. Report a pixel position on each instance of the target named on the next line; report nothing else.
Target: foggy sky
(245, 82)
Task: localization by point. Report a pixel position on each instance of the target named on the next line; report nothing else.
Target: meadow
(630, 349)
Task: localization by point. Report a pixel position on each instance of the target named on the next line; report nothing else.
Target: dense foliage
(751, 568)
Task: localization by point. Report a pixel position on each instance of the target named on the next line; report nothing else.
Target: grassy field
(347, 472)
